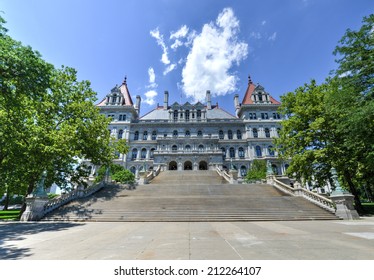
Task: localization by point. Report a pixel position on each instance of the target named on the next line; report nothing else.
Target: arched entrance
(188, 165)
(173, 165)
(203, 165)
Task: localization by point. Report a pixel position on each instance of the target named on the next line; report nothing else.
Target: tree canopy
(48, 121)
(332, 124)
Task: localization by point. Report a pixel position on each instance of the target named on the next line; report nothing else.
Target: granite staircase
(195, 196)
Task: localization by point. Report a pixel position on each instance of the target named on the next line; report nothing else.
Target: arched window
(199, 133)
(154, 135)
(198, 115)
(271, 151)
(255, 133)
(120, 134)
(220, 134)
(243, 170)
(267, 133)
(232, 152)
(260, 97)
(143, 153)
(188, 148)
(145, 135)
(174, 148)
(120, 118)
(136, 135)
(250, 116)
(188, 133)
(201, 148)
(124, 118)
(175, 115)
(175, 133)
(258, 151)
(152, 153)
(229, 134)
(241, 152)
(239, 134)
(223, 153)
(134, 154)
(254, 116)
(133, 169)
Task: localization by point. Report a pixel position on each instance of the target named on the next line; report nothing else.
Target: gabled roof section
(256, 94)
(118, 96)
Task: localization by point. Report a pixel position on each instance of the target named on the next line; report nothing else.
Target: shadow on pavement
(10, 232)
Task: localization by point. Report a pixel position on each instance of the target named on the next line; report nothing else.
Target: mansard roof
(118, 91)
(253, 89)
(160, 114)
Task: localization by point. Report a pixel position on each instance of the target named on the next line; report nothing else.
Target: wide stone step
(188, 196)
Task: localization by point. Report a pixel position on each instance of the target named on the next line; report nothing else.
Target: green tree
(257, 171)
(332, 124)
(48, 121)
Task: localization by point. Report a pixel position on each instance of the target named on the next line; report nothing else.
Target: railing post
(35, 202)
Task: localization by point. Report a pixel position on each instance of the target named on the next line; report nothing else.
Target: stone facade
(195, 136)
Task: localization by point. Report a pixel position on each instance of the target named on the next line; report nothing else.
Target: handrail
(151, 175)
(315, 198)
(70, 196)
(224, 174)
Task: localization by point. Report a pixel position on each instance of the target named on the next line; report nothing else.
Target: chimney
(236, 103)
(137, 106)
(166, 100)
(208, 100)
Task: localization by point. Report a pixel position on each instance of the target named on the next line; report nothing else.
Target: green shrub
(257, 171)
(124, 176)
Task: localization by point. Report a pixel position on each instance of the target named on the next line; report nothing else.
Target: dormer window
(260, 96)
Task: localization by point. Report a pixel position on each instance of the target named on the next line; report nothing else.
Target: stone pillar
(35, 202)
(343, 200)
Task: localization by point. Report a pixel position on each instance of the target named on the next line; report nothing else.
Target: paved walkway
(306, 240)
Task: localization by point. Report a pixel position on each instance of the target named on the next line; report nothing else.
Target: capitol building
(195, 136)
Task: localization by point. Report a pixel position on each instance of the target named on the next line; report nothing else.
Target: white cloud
(170, 68)
(212, 54)
(152, 75)
(273, 36)
(160, 41)
(181, 33)
(152, 78)
(176, 44)
(263, 22)
(150, 97)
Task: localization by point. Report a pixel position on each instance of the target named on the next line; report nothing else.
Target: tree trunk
(7, 199)
(353, 190)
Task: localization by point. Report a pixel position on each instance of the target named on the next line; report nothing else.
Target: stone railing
(315, 198)
(224, 175)
(70, 196)
(149, 177)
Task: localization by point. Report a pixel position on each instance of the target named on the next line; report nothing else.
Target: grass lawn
(10, 215)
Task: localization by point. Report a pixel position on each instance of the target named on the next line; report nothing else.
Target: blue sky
(187, 47)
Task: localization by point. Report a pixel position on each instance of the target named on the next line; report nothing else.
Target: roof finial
(249, 80)
(125, 81)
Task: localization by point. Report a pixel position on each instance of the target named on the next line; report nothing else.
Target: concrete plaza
(281, 240)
